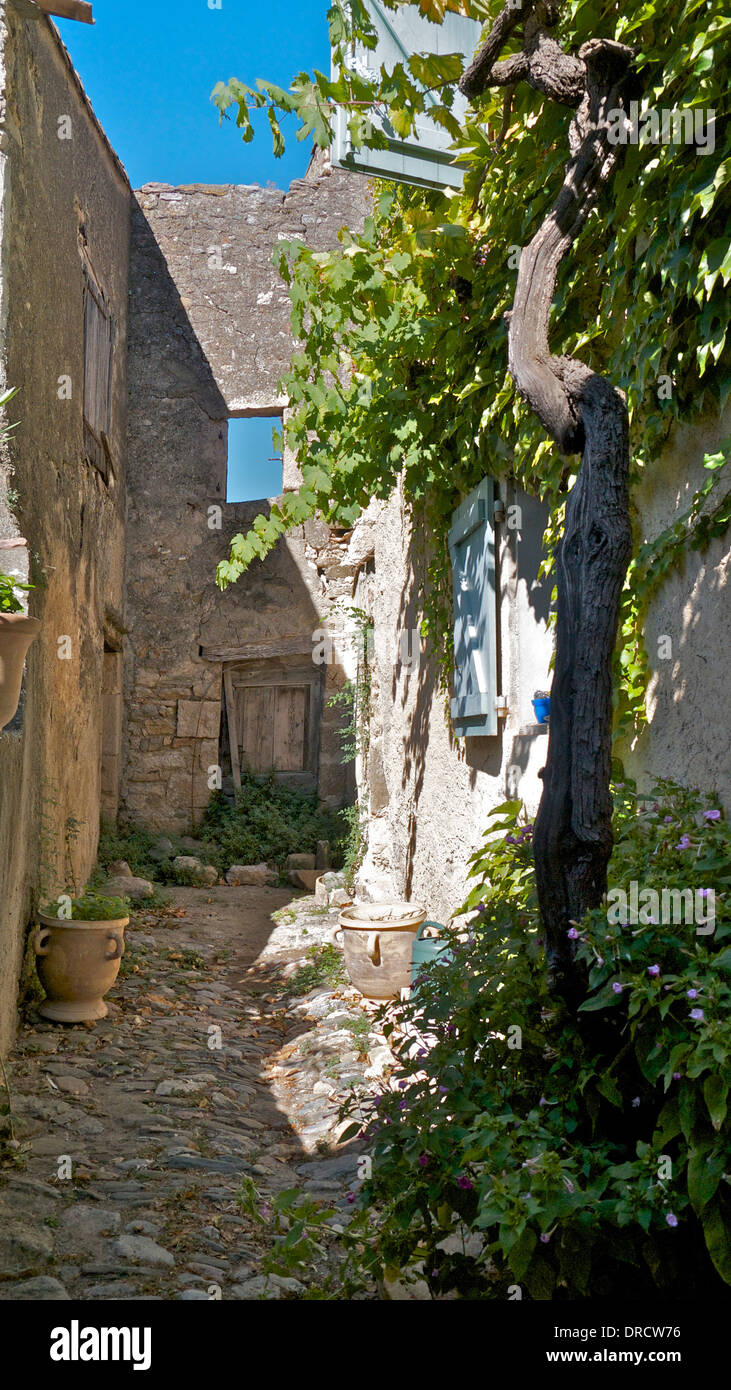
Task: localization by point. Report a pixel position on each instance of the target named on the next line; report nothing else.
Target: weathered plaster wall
(427, 796)
(55, 192)
(210, 337)
(688, 736)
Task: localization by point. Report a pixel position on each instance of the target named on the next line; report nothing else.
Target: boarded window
(472, 550)
(98, 349)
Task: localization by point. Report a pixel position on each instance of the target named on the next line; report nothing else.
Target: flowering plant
(569, 1156)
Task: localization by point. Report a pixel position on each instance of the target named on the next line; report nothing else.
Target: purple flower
(543, 1101)
(668, 820)
(443, 1090)
(600, 960)
(617, 987)
(402, 1085)
(697, 1015)
(510, 840)
(545, 1239)
(653, 969)
(683, 842)
(703, 892)
(692, 993)
(465, 1184)
(712, 815)
(635, 1102)
(572, 934)
(403, 1105)
(671, 1219)
(423, 1160)
(350, 1198)
(676, 1075)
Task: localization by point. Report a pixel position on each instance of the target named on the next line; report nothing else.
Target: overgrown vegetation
(573, 1157)
(87, 907)
(324, 967)
(415, 305)
(267, 822)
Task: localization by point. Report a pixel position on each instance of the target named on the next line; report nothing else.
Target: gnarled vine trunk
(584, 413)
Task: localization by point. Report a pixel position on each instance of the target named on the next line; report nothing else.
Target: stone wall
(64, 201)
(210, 338)
(426, 794)
(687, 735)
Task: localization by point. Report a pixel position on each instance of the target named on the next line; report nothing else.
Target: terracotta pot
(17, 631)
(77, 964)
(377, 943)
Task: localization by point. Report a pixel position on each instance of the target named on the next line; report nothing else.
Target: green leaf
(717, 1234)
(715, 1094)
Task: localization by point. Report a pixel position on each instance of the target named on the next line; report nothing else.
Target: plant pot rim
(110, 922)
(19, 620)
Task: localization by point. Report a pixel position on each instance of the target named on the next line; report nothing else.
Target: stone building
(137, 327)
(64, 256)
(209, 339)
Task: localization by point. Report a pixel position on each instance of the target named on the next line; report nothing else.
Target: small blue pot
(425, 950)
(542, 708)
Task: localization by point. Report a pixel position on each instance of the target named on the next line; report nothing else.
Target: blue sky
(148, 67)
(254, 468)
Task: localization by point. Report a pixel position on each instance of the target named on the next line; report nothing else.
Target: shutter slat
(472, 550)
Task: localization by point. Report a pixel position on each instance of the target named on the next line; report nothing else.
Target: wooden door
(270, 726)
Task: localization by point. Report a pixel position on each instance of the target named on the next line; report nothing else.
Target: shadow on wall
(420, 690)
(482, 755)
(688, 677)
(185, 634)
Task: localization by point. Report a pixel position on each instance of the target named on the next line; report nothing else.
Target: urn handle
(373, 947)
(118, 948)
(42, 941)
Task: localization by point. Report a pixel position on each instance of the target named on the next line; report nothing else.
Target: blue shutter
(424, 157)
(472, 550)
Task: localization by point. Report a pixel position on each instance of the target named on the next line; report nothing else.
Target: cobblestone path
(132, 1135)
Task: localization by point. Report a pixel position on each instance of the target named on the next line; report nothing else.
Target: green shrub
(132, 844)
(89, 907)
(324, 967)
(267, 822)
(575, 1157)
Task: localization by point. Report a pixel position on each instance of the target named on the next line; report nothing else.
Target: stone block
(251, 875)
(301, 861)
(198, 718)
(126, 885)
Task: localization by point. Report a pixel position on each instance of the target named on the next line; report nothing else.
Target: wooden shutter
(424, 157)
(98, 348)
(472, 550)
